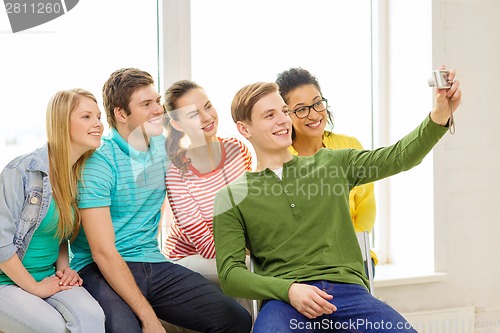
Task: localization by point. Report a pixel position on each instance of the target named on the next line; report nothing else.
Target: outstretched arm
(369, 166)
(362, 200)
(101, 237)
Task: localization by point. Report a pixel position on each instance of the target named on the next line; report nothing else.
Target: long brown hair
(176, 152)
(63, 174)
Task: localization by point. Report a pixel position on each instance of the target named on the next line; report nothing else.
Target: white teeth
(316, 124)
(285, 131)
(208, 126)
(154, 121)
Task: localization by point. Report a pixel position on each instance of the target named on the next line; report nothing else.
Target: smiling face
(196, 116)
(314, 124)
(270, 127)
(85, 126)
(146, 113)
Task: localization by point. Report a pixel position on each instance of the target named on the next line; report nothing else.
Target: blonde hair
(63, 174)
(245, 99)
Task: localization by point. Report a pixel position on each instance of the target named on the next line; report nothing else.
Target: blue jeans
(177, 295)
(357, 311)
(72, 310)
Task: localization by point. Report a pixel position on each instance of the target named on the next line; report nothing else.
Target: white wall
(466, 36)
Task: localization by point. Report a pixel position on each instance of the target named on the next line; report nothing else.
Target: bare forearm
(101, 237)
(16, 271)
(118, 275)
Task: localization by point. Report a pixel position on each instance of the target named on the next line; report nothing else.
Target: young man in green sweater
(292, 214)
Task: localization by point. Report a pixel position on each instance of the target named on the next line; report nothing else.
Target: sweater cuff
(285, 294)
(443, 126)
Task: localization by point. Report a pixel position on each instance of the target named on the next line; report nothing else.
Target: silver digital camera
(440, 79)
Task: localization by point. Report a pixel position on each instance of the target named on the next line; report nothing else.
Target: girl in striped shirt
(197, 172)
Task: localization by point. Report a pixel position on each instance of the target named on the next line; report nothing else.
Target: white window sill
(389, 275)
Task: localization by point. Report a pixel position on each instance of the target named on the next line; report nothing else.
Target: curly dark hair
(296, 77)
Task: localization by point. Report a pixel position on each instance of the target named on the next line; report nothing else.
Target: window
(235, 43)
(403, 63)
(79, 49)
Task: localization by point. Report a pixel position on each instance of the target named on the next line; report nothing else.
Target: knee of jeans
(237, 321)
(96, 314)
(82, 310)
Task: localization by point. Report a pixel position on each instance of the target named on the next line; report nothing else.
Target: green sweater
(299, 228)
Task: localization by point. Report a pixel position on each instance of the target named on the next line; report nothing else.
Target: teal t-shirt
(132, 184)
(43, 248)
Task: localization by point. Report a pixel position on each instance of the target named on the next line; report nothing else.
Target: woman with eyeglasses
(310, 115)
(197, 172)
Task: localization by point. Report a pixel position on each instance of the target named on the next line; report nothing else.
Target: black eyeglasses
(319, 106)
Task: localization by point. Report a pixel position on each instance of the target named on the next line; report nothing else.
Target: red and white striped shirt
(191, 197)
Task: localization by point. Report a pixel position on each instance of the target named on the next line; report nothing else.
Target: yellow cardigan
(361, 198)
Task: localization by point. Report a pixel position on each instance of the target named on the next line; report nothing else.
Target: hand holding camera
(440, 79)
(447, 96)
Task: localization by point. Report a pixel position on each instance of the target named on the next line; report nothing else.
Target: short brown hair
(118, 89)
(246, 98)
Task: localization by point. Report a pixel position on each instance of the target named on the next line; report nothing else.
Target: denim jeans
(177, 295)
(208, 269)
(357, 311)
(71, 310)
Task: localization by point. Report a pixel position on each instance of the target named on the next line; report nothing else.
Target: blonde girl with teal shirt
(38, 218)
